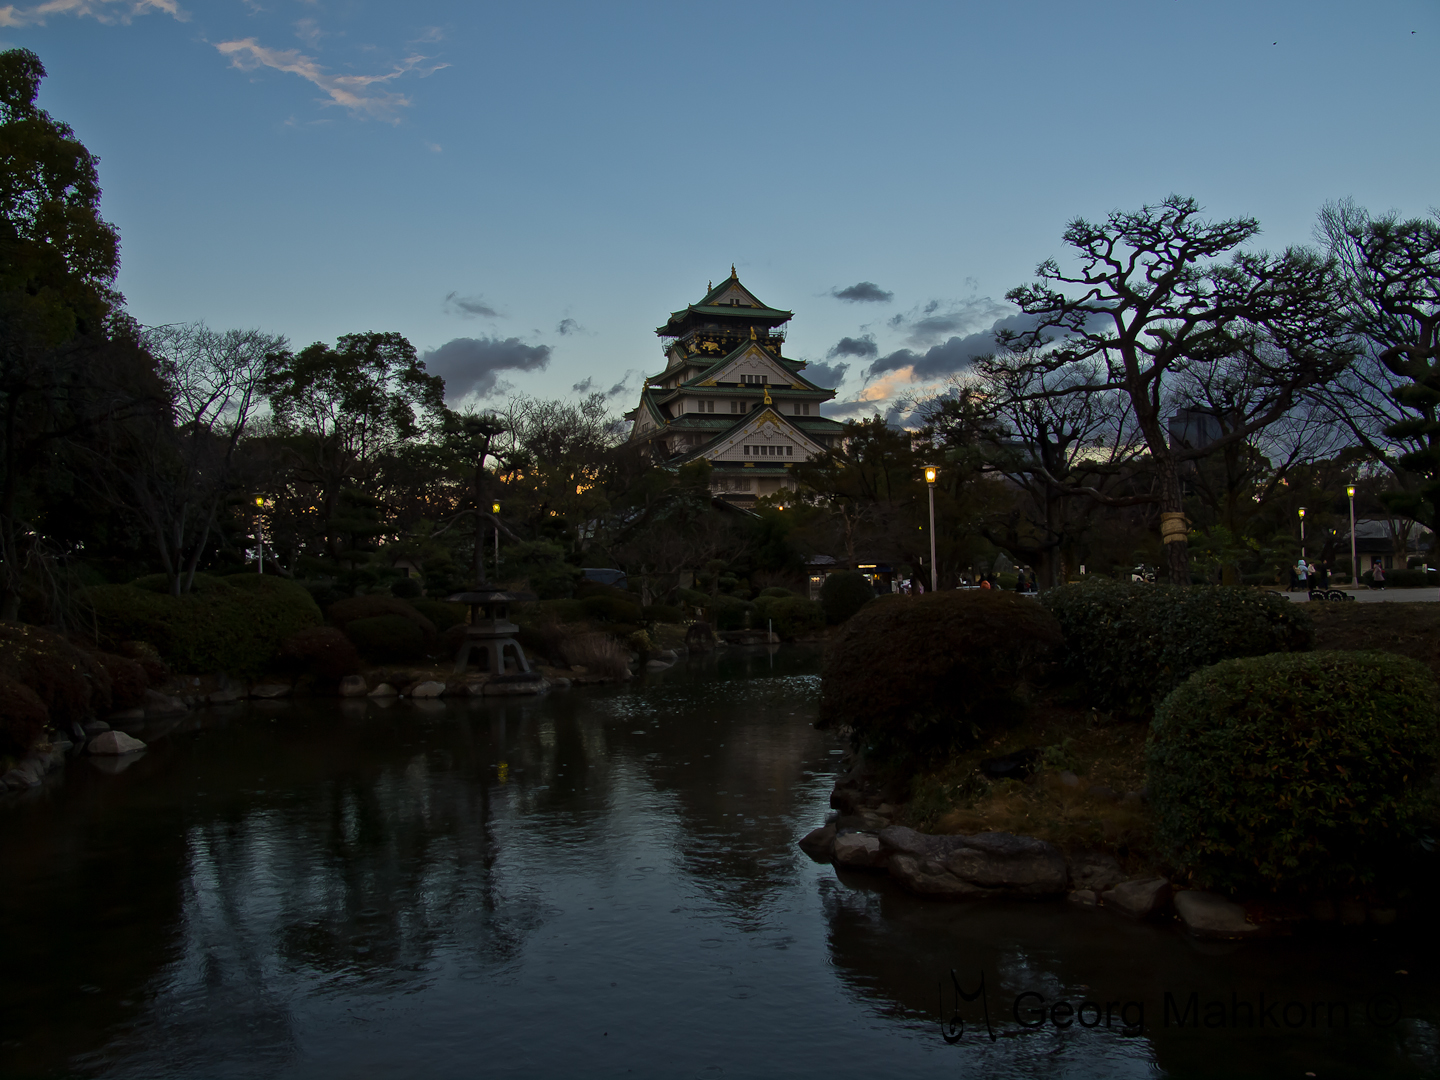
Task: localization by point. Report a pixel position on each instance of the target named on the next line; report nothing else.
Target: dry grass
(959, 799)
(598, 654)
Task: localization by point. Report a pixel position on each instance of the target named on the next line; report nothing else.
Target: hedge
(1131, 643)
(348, 612)
(233, 624)
(793, 616)
(843, 594)
(921, 677)
(441, 612)
(385, 638)
(323, 651)
(1294, 771)
(1404, 579)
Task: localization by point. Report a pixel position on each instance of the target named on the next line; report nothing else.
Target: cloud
(826, 375)
(951, 356)
(873, 396)
(105, 11)
(308, 31)
(588, 386)
(361, 94)
(584, 387)
(863, 347)
(863, 292)
(471, 366)
(569, 326)
(468, 307)
(433, 147)
(936, 322)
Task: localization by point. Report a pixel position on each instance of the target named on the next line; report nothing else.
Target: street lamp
(1354, 567)
(1302, 534)
(260, 534)
(495, 509)
(930, 473)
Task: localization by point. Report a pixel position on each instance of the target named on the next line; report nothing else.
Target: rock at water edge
(114, 742)
(819, 844)
(158, 704)
(269, 691)
(1139, 899)
(1014, 865)
(1084, 897)
(428, 689)
(502, 689)
(858, 851)
(1207, 915)
(924, 875)
(384, 690)
(353, 686)
(1094, 870)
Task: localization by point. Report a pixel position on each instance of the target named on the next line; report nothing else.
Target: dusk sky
(526, 190)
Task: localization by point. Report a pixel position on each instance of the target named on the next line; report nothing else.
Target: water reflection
(602, 882)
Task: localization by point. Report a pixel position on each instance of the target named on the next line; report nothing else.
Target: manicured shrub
(1131, 643)
(128, 680)
(323, 651)
(693, 598)
(663, 613)
(843, 594)
(232, 624)
(69, 683)
(388, 638)
(730, 612)
(921, 677)
(1404, 579)
(444, 615)
(407, 588)
(541, 565)
(1294, 771)
(793, 616)
(609, 607)
(777, 593)
(346, 612)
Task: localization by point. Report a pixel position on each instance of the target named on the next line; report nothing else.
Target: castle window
(789, 451)
(735, 406)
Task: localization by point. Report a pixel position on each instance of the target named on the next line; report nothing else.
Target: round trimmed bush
(323, 650)
(441, 612)
(1295, 771)
(1131, 643)
(406, 588)
(922, 677)
(663, 613)
(347, 612)
(793, 616)
(730, 612)
(387, 637)
(843, 594)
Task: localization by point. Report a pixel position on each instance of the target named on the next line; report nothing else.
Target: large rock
(819, 843)
(227, 696)
(114, 742)
(1207, 915)
(94, 727)
(858, 851)
(383, 690)
(1009, 864)
(428, 689)
(1140, 898)
(270, 691)
(158, 704)
(1094, 870)
(16, 779)
(986, 864)
(503, 687)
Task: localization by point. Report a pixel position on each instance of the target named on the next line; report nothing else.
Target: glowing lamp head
(1350, 490)
(1302, 511)
(495, 508)
(259, 500)
(930, 472)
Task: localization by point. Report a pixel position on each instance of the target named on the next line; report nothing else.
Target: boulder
(1094, 870)
(819, 843)
(659, 665)
(1084, 897)
(383, 690)
(1069, 779)
(1009, 864)
(858, 851)
(560, 684)
(18, 779)
(158, 704)
(225, 697)
(428, 689)
(503, 688)
(1140, 898)
(94, 727)
(929, 876)
(114, 742)
(1207, 915)
(270, 691)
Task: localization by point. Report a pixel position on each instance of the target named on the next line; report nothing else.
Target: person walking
(1377, 576)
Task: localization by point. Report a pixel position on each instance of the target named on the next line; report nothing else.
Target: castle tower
(728, 395)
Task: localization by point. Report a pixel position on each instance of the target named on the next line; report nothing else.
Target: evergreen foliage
(843, 594)
(1130, 644)
(1294, 770)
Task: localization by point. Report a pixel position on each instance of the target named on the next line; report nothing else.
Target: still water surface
(603, 882)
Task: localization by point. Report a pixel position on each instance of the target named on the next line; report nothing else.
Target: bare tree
(1151, 300)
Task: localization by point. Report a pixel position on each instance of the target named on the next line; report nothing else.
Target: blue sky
(526, 190)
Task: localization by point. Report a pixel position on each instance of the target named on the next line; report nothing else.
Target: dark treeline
(129, 450)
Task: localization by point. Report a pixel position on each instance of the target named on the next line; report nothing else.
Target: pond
(601, 882)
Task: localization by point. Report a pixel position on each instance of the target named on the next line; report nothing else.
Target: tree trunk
(1177, 552)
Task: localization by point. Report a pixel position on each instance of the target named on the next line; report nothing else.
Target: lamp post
(930, 471)
(1354, 566)
(1302, 534)
(260, 534)
(495, 509)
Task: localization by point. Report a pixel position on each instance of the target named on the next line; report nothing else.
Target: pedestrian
(1377, 576)
(1020, 580)
(1302, 573)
